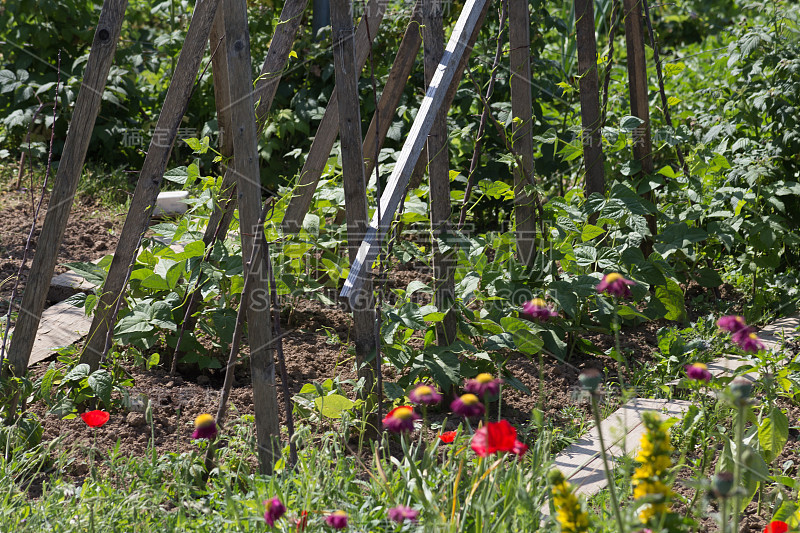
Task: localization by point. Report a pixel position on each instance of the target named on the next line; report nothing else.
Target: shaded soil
(91, 233)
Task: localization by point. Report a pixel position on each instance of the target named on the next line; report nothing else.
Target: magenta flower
(538, 309)
(424, 394)
(400, 419)
(731, 323)
(468, 405)
(747, 340)
(698, 372)
(204, 427)
(274, 510)
(614, 284)
(402, 513)
(337, 520)
(482, 385)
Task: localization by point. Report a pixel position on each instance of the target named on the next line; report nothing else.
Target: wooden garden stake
(519, 35)
(471, 15)
(150, 177)
(329, 126)
(87, 107)
(317, 158)
(233, 356)
(266, 86)
(637, 79)
(223, 211)
(342, 34)
(393, 90)
(439, 171)
(592, 139)
(245, 164)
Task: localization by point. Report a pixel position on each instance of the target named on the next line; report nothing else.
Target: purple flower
(274, 510)
(615, 285)
(732, 323)
(482, 385)
(400, 419)
(424, 394)
(401, 513)
(204, 427)
(698, 372)
(337, 520)
(747, 340)
(467, 405)
(538, 309)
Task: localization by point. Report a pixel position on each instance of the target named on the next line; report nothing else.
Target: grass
(167, 493)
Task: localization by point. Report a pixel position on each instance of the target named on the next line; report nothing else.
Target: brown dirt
(91, 233)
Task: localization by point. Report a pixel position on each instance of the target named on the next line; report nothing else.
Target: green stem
(618, 344)
(612, 490)
(737, 464)
(723, 504)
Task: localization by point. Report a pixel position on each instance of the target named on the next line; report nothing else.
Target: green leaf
(89, 271)
(64, 407)
(444, 365)
(671, 296)
(392, 390)
(528, 342)
(708, 277)
(102, 383)
(177, 175)
(418, 285)
(78, 373)
(332, 406)
(590, 232)
(311, 224)
(630, 123)
(155, 282)
(773, 433)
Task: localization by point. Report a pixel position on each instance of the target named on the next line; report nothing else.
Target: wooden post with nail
(87, 106)
(355, 189)
(248, 183)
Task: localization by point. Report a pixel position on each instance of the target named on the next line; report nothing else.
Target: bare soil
(91, 233)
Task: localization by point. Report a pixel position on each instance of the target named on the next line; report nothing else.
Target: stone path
(581, 463)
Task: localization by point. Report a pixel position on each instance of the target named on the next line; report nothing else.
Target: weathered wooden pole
(439, 172)
(79, 133)
(355, 188)
(393, 90)
(589, 86)
(150, 178)
(640, 99)
(309, 176)
(245, 164)
(469, 20)
(328, 128)
(266, 86)
(519, 35)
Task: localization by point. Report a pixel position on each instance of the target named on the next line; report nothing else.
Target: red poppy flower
(494, 437)
(776, 526)
(96, 418)
(448, 436)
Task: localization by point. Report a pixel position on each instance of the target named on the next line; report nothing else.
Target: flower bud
(590, 379)
(740, 389)
(722, 484)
